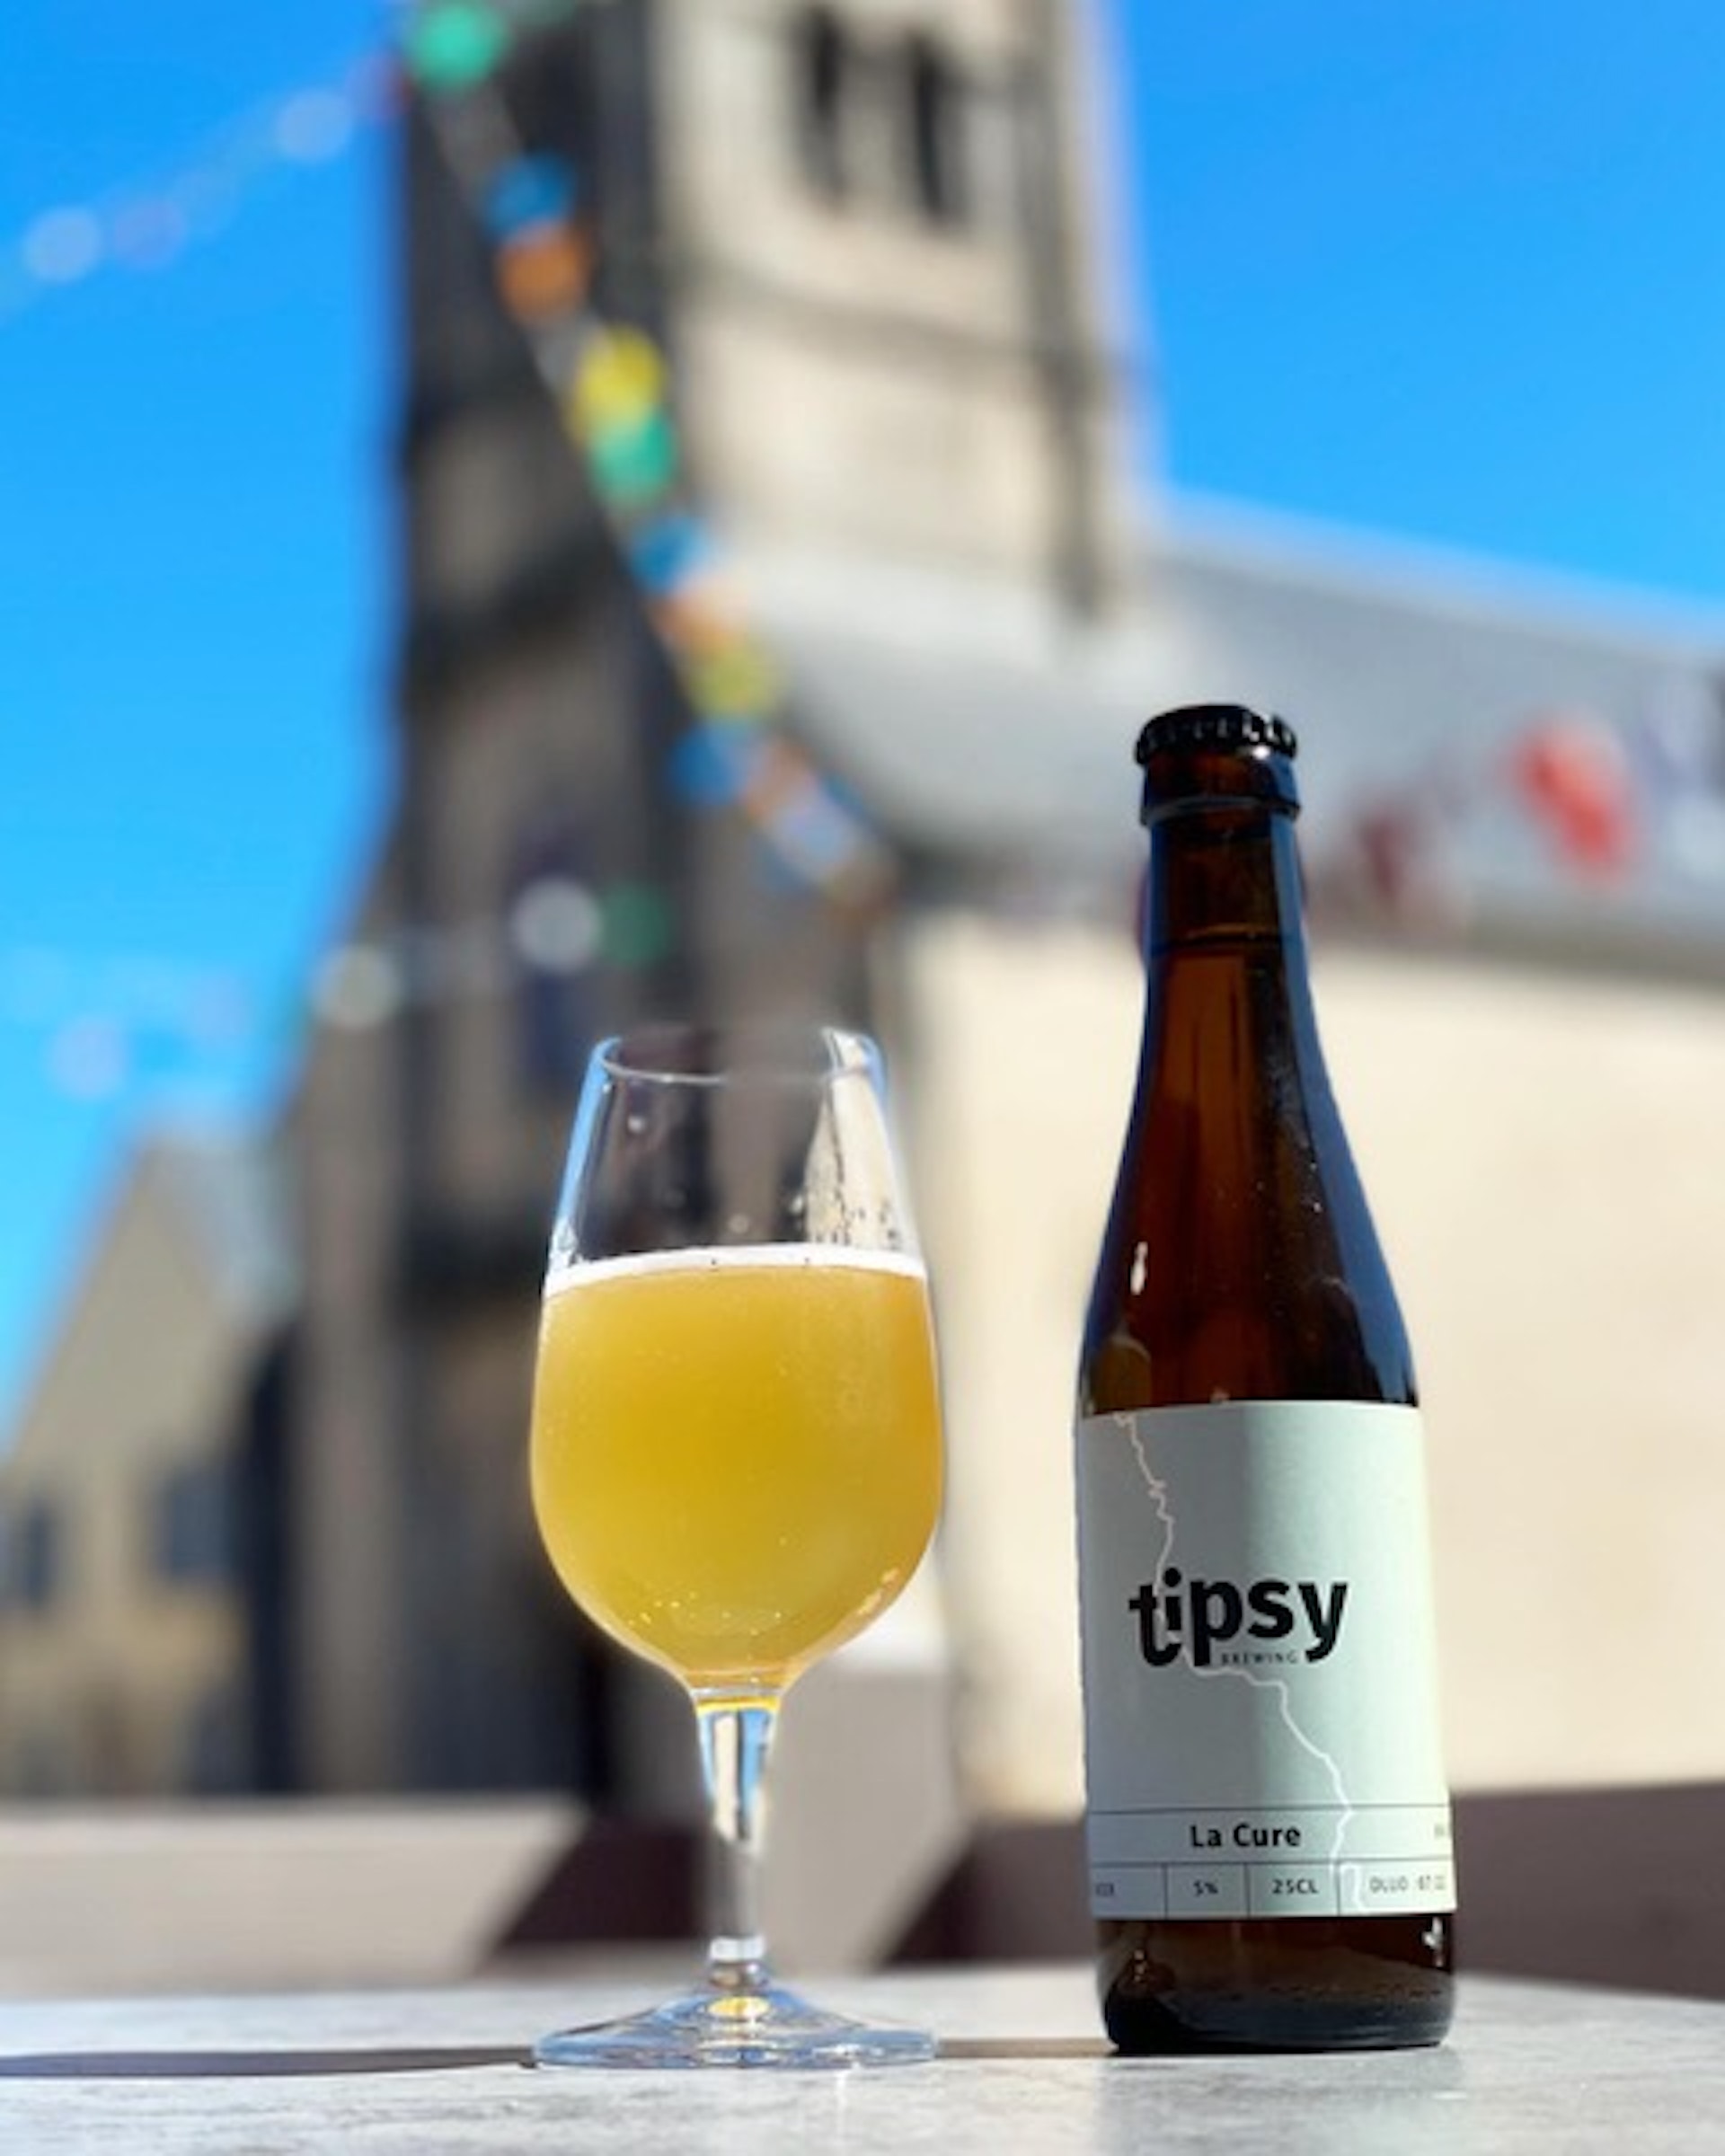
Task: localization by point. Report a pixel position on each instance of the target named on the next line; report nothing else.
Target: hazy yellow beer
(736, 1454)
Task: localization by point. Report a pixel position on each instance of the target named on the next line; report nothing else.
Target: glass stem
(736, 1737)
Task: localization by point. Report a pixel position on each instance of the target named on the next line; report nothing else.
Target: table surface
(1022, 2069)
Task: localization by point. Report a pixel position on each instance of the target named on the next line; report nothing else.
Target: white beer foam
(777, 1257)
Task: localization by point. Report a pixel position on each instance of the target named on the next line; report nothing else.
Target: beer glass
(736, 1448)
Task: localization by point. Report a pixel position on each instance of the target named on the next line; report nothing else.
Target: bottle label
(1260, 1702)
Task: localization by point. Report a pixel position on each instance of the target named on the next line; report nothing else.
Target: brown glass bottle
(1240, 1265)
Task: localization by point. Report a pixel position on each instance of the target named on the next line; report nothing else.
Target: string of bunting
(1603, 801)
(146, 225)
(107, 1022)
(612, 382)
(613, 389)
(1606, 798)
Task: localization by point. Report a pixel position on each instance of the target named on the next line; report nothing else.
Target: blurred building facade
(867, 237)
(876, 284)
(142, 1651)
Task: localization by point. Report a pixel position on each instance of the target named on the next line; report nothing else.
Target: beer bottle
(1268, 1821)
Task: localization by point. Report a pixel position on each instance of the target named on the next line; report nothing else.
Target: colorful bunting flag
(615, 391)
(1572, 774)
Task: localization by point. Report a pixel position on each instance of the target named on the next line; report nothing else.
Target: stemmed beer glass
(736, 1439)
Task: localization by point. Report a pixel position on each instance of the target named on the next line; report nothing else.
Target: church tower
(833, 253)
(877, 234)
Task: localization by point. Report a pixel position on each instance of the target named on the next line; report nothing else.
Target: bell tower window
(935, 130)
(824, 69)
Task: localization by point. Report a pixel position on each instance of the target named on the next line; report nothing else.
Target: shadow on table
(1026, 2048)
(193, 2065)
(263, 2065)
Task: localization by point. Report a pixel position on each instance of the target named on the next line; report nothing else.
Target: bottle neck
(1240, 1260)
(1225, 878)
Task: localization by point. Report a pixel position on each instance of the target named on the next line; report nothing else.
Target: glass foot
(770, 2027)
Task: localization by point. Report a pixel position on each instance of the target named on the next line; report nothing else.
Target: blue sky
(1447, 269)
(193, 596)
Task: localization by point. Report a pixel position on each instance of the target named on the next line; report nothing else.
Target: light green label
(1261, 1704)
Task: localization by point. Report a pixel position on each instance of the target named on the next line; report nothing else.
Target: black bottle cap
(1208, 757)
(1216, 726)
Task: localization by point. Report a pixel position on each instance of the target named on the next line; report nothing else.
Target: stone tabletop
(444, 2074)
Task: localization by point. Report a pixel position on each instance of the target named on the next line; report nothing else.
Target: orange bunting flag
(1574, 776)
(546, 272)
(699, 615)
